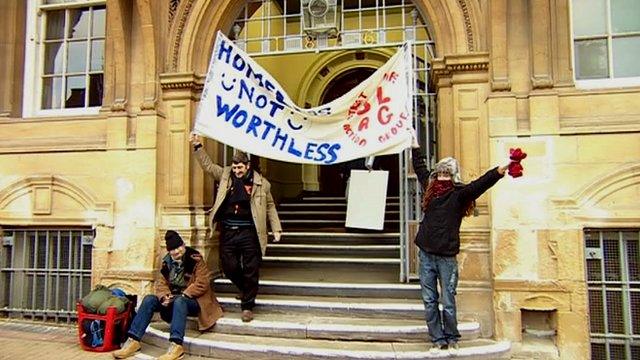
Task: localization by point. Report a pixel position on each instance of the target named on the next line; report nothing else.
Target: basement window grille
(44, 272)
(613, 280)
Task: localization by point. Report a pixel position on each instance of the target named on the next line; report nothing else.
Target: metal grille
(273, 27)
(613, 280)
(44, 272)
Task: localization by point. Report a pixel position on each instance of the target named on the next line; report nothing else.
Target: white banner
(244, 106)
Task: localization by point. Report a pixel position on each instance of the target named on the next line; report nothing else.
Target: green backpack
(120, 303)
(100, 298)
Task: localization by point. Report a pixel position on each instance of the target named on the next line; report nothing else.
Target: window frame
(35, 60)
(610, 81)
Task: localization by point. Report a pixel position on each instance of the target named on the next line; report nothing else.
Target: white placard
(367, 199)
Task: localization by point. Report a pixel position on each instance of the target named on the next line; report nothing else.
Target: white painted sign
(367, 199)
(244, 106)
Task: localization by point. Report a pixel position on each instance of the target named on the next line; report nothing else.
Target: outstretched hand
(276, 236)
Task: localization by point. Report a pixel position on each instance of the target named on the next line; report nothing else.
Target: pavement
(35, 340)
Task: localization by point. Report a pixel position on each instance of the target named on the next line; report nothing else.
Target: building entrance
(318, 53)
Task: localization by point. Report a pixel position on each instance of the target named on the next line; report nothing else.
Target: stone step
(343, 199)
(320, 259)
(321, 269)
(329, 225)
(337, 229)
(330, 298)
(228, 346)
(392, 209)
(306, 288)
(303, 326)
(326, 222)
(340, 238)
(331, 306)
(330, 273)
(336, 251)
(341, 215)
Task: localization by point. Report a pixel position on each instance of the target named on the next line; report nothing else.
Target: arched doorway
(332, 178)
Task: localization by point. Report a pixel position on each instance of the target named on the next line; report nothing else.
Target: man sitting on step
(182, 289)
(243, 202)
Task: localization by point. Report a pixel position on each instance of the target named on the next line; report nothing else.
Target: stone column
(499, 44)
(463, 85)
(185, 192)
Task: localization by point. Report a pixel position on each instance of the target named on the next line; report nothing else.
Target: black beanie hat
(173, 240)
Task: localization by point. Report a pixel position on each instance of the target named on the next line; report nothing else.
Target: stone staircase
(327, 292)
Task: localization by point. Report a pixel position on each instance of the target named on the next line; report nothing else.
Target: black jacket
(439, 231)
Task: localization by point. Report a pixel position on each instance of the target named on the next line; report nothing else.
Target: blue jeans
(442, 329)
(175, 314)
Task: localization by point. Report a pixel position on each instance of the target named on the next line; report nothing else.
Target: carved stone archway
(455, 27)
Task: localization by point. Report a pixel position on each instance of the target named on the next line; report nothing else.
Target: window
(44, 271)
(65, 56)
(606, 42)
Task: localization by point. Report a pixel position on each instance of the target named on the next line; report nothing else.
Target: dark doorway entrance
(332, 177)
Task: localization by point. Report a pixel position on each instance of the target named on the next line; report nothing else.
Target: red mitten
(515, 168)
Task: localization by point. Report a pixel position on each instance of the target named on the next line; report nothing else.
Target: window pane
(589, 17)
(75, 92)
(625, 15)
(55, 25)
(51, 92)
(77, 57)
(99, 16)
(78, 23)
(591, 59)
(95, 89)
(97, 55)
(53, 58)
(626, 52)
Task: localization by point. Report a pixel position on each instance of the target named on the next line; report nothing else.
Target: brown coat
(198, 278)
(262, 204)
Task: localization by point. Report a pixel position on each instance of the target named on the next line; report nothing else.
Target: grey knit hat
(448, 165)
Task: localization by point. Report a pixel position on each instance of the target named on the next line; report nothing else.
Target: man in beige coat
(242, 205)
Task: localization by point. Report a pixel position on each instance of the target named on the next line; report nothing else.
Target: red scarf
(441, 187)
(435, 189)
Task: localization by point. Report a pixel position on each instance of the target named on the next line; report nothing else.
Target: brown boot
(247, 315)
(130, 348)
(175, 352)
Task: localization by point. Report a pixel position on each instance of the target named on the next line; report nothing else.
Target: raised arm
(204, 160)
(420, 165)
(474, 189)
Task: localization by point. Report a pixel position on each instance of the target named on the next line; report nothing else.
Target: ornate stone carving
(178, 34)
(467, 24)
(87, 209)
(173, 6)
